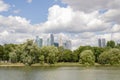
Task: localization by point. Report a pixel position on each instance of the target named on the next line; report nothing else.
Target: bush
(87, 57)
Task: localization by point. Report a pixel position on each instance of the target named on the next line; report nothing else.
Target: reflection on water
(59, 73)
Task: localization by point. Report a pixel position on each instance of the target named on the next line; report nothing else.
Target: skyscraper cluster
(39, 41)
(101, 42)
(51, 42)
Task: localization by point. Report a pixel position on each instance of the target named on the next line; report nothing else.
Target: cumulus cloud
(3, 6)
(91, 5)
(62, 19)
(112, 15)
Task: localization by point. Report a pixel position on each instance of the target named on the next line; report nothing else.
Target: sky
(81, 21)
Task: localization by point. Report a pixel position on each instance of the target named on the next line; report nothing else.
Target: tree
(111, 56)
(12, 57)
(30, 53)
(111, 44)
(50, 53)
(66, 57)
(87, 57)
(81, 49)
(26, 59)
(97, 51)
(1, 52)
(60, 53)
(104, 58)
(42, 58)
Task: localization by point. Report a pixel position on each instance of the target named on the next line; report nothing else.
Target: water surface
(59, 73)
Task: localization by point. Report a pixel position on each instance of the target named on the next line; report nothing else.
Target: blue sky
(81, 21)
(35, 11)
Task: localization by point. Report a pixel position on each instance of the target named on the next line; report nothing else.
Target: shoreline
(61, 64)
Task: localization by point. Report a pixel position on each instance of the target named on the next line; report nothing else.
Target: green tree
(111, 44)
(87, 57)
(81, 49)
(50, 53)
(66, 57)
(12, 57)
(30, 53)
(60, 53)
(104, 58)
(42, 58)
(1, 52)
(97, 51)
(111, 56)
(27, 59)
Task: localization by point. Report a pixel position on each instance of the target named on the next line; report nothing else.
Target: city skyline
(49, 41)
(82, 21)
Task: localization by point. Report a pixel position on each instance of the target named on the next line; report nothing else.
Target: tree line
(29, 53)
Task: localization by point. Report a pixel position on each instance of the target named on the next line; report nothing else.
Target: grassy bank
(45, 64)
(62, 64)
(11, 64)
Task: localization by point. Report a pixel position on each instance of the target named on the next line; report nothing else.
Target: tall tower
(51, 39)
(39, 41)
(101, 42)
(68, 44)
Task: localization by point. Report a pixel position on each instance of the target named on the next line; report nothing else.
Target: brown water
(59, 73)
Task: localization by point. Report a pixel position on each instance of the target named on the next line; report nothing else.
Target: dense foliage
(110, 57)
(29, 53)
(87, 57)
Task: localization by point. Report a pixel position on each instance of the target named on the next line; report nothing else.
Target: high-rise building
(101, 42)
(48, 42)
(60, 41)
(39, 41)
(51, 39)
(56, 44)
(67, 44)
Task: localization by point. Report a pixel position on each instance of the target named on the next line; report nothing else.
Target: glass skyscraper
(51, 39)
(67, 44)
(102, 42)
(39, 41)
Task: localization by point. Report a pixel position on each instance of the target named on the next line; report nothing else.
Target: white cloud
(92, 5)
(3, 6)
(62, 19)
(4, 33)
(16, 11)
(112, 15)
(29, 1)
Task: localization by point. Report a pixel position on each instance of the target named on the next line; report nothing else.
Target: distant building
(48, 42)
(56, 44)
(39, 41)
(51, 39)
(67, 44)
(101, 42)
(60, 41)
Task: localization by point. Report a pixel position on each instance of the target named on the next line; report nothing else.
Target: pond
(59, 73)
